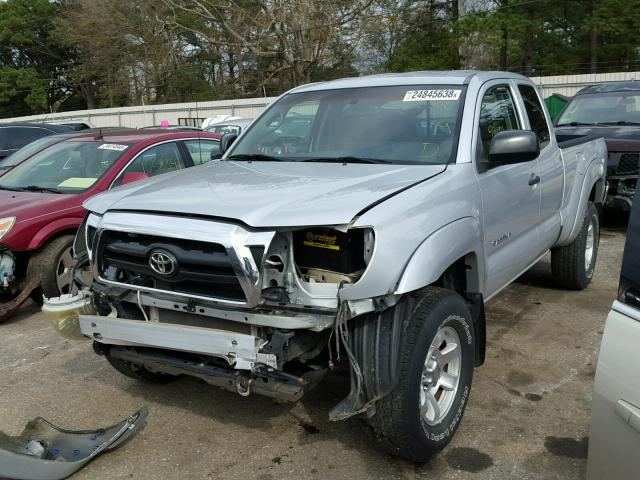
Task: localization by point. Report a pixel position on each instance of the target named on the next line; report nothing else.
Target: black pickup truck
(611, 111)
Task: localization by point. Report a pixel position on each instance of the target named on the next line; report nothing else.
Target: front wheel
(420, 417)
(52, 264)
(573, 265)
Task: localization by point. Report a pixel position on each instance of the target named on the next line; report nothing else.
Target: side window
(497, 114)
(21, 136)
(154, 161)
(535, 114)
(201, 150)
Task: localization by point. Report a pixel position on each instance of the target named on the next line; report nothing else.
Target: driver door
(510, 193)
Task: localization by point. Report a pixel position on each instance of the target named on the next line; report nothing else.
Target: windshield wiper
(256, 157)
(11, 189)
(619, 122)
(345, 160)
(36, 188)
(576, 124)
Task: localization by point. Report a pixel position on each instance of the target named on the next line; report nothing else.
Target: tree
(33, 66)
(287, 37)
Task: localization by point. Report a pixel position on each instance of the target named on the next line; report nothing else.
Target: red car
(41, 200)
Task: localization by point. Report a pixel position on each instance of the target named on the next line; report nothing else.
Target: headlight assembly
(333, 256)
(6, 224)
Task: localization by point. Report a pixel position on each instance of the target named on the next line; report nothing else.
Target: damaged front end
(251, 311)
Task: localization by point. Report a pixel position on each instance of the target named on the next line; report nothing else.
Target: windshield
(28, 150)
(67, 167)
(602, 108)
(398, 124)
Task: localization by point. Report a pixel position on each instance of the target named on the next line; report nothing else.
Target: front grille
(629, 163)
(203, 268)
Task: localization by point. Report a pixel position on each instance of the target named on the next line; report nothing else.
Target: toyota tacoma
(362, 222)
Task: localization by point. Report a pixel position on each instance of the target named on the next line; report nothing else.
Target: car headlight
(330, 255)
(6, 224)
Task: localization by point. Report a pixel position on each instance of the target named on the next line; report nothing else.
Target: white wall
(568, 85)
(136, 117)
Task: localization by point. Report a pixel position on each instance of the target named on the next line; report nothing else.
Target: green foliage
(69, 54)
(22, 90)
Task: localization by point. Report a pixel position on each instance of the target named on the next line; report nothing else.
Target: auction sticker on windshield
(430, 95)
(77, 182)
(113, 146)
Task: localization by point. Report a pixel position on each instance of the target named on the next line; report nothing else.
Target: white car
(216, 119)
(614, 442)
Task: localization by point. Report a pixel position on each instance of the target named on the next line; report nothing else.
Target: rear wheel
(52, 264)
(420, 417)
(573, 265)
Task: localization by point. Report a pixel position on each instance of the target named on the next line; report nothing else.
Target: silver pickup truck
(362, 222)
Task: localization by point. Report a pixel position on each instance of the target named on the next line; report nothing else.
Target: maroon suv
(41, 200)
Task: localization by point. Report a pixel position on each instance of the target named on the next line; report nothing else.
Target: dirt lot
(527, 418)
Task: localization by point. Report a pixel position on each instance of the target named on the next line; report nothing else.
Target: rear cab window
(535, 113)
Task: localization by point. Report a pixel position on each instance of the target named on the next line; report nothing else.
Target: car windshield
(66, 167)
(28, 150)
(602, 108)
(396, 124)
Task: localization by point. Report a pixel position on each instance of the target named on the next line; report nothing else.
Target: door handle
(629, 413)
(534, 179)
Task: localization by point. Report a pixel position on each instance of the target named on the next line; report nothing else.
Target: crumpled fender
(46, 452)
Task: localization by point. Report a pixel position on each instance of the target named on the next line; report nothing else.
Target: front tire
(420, 417)
(573, 265)
(52, 265)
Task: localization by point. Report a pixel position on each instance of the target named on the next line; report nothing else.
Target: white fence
(193, 113)
(568, 85)
(145, 116)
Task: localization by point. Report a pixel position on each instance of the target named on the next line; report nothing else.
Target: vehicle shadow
(615, 220)
(305, 422)
(26, 310)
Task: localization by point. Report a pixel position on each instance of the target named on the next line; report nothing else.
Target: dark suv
(611, 111)
(14, 136)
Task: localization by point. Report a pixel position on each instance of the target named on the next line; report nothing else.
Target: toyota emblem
(163, 263)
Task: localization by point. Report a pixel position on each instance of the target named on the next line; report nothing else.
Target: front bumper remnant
(46, 452)
(238, 349)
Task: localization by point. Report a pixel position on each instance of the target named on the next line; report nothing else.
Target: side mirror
(215, 155)
(226, 141)
(133, 177)
(513, 146)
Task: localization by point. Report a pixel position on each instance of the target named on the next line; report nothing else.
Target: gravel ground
(528, 416)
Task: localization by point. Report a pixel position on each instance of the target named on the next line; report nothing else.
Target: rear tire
(573, 265)
(420, 417)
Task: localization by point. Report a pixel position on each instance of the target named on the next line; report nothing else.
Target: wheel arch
(53, 230)
(461, 242)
